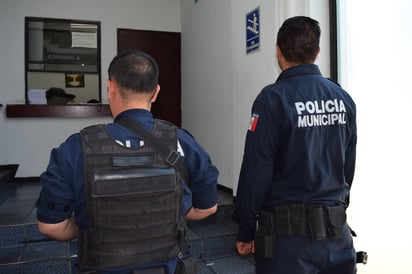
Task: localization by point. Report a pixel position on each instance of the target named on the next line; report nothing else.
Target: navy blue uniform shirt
(63, 182)
(300, 146)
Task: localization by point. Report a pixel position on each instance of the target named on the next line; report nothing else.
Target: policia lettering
(320, 113)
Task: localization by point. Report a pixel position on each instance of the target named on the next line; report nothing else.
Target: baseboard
(26, 179)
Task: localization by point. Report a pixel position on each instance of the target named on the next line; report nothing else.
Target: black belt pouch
(187, 265)
(336, 221)
(298, 219)
(265, 236)
(317, 223)
(282, 222)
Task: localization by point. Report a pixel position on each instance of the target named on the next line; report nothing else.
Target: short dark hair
(298, 39)
(135, 71)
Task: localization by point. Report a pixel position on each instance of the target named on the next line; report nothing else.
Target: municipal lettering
(321, 113)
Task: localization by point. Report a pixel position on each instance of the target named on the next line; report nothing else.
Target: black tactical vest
(134, 202)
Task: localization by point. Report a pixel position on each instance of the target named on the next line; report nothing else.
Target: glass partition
(62, 54)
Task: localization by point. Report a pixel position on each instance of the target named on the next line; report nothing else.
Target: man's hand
(245, 248)
(195, 214)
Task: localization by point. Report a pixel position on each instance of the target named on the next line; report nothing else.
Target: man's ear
(154, 96)
(110, 90)
(280, 58)
(278, 51)
(317, 54)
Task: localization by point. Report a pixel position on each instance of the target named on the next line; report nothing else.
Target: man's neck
(116, 109)
(287, 64)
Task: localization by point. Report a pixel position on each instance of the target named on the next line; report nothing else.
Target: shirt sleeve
(203, 174)
(57, 199)
(257, 166)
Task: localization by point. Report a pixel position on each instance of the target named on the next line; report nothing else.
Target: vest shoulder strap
(171, 156)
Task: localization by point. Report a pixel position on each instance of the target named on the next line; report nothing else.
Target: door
(164, 47)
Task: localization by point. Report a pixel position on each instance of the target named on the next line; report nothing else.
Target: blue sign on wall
(252, 30)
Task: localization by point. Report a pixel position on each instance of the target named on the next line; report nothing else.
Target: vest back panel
(134, 201)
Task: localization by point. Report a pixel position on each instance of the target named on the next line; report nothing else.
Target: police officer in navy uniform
(132, 87)
(298, 165)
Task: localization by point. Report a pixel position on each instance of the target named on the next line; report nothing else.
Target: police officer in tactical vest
(125, 189)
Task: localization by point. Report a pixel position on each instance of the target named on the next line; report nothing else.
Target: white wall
(207, 94)
(220, 81)
(28, 141)
(376, 70)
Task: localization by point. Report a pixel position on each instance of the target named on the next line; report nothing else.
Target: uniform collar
(140, 114)
(299, 70)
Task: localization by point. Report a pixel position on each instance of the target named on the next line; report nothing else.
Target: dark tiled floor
(18, 202)
(24, 250)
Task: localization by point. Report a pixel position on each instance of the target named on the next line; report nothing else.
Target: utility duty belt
(300, 220)
(320, 222)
